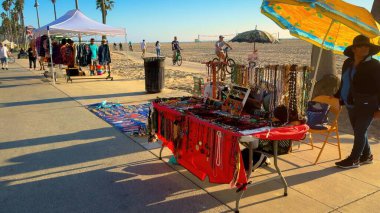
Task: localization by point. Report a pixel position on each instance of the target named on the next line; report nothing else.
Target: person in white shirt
(143, 48)
(4, 56)
(220, 46)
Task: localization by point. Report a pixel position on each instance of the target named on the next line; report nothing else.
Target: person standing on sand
(360, 92)
(158, 48)
(143, 48)
(120, 46)
(4, 52)
(220, 47)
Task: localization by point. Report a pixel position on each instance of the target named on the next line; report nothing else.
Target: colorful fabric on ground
(129, 119)
(335, 21)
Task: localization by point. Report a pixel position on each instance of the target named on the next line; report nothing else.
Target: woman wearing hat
(360, 92)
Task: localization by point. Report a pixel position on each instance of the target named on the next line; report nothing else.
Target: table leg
(275, 147)
(159, 157)
(241, 193)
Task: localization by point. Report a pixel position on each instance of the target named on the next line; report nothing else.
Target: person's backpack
(316, 113)
(259, 159)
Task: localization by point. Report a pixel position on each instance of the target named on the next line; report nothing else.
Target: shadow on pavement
(73, 154)
(140, 187)
(55, 100)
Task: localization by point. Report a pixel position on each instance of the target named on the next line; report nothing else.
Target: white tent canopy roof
(75, 23)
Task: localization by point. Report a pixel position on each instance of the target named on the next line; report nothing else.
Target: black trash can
(154, 74)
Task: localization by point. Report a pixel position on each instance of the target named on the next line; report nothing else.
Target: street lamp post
(38, 17)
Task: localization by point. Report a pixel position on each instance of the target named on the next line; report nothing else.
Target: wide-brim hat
(361, 40)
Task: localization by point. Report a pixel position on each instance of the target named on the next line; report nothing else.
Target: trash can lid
(149, 59)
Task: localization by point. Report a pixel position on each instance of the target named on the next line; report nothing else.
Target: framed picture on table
(236, 99)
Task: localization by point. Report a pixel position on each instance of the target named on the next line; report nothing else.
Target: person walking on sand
(130, 46)
(143, 48)
(360, 92)
(4, 53)
(32, 55)
(220, 47)
(94, 55)
(158, 48)
(120, 46)
(176, 49)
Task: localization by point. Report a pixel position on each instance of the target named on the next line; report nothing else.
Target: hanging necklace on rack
(218, 157)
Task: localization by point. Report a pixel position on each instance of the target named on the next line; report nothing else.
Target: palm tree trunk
(104, 16)
(55, 13)
(376, 10)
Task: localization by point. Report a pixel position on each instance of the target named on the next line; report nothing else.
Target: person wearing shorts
(219, 47)
(4, 56)
(94, 56)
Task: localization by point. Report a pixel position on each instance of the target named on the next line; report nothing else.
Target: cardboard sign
(236, 99)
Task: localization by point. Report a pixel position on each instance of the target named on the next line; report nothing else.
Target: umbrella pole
(51, 58)
(319, 60)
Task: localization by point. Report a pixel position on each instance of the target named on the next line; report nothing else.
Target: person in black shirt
(360, 92)
(32, 55)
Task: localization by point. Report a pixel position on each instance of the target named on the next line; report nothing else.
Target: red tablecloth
(209, 150)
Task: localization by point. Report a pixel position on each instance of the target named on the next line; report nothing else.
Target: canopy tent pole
(318, 61)
(51, 56)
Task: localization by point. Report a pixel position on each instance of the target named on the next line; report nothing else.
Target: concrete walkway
(56, 156)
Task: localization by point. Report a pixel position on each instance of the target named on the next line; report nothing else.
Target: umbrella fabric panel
(310, 24)
(254, 36)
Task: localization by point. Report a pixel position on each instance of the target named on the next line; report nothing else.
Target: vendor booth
(214, 135)
(75, 24)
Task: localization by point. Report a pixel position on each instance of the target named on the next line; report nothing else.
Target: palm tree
(19, 7)
(7, 4)
(104, 6)
(55, 13)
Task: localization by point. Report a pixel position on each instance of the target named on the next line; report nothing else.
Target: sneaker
(366, 159)
(348, 163)
(6, 68)
(2, 68)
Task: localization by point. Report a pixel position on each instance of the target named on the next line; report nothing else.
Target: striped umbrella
(329, 24)
(254, 36)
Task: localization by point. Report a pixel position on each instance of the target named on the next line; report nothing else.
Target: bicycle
(178, 58)
(225, 66)
(11, 60)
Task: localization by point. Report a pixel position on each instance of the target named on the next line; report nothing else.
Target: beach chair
(331, 127)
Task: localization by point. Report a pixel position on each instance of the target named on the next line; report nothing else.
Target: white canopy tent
(75, 24)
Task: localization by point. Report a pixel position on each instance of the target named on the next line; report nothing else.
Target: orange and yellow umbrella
(329, 24)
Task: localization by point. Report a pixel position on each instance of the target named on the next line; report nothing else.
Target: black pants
(360, 119)
(32, 60)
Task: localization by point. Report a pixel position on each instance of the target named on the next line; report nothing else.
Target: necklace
(218, 158)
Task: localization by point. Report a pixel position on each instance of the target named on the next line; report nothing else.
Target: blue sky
(162, 19)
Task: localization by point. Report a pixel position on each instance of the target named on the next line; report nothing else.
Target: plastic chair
(331, 127)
